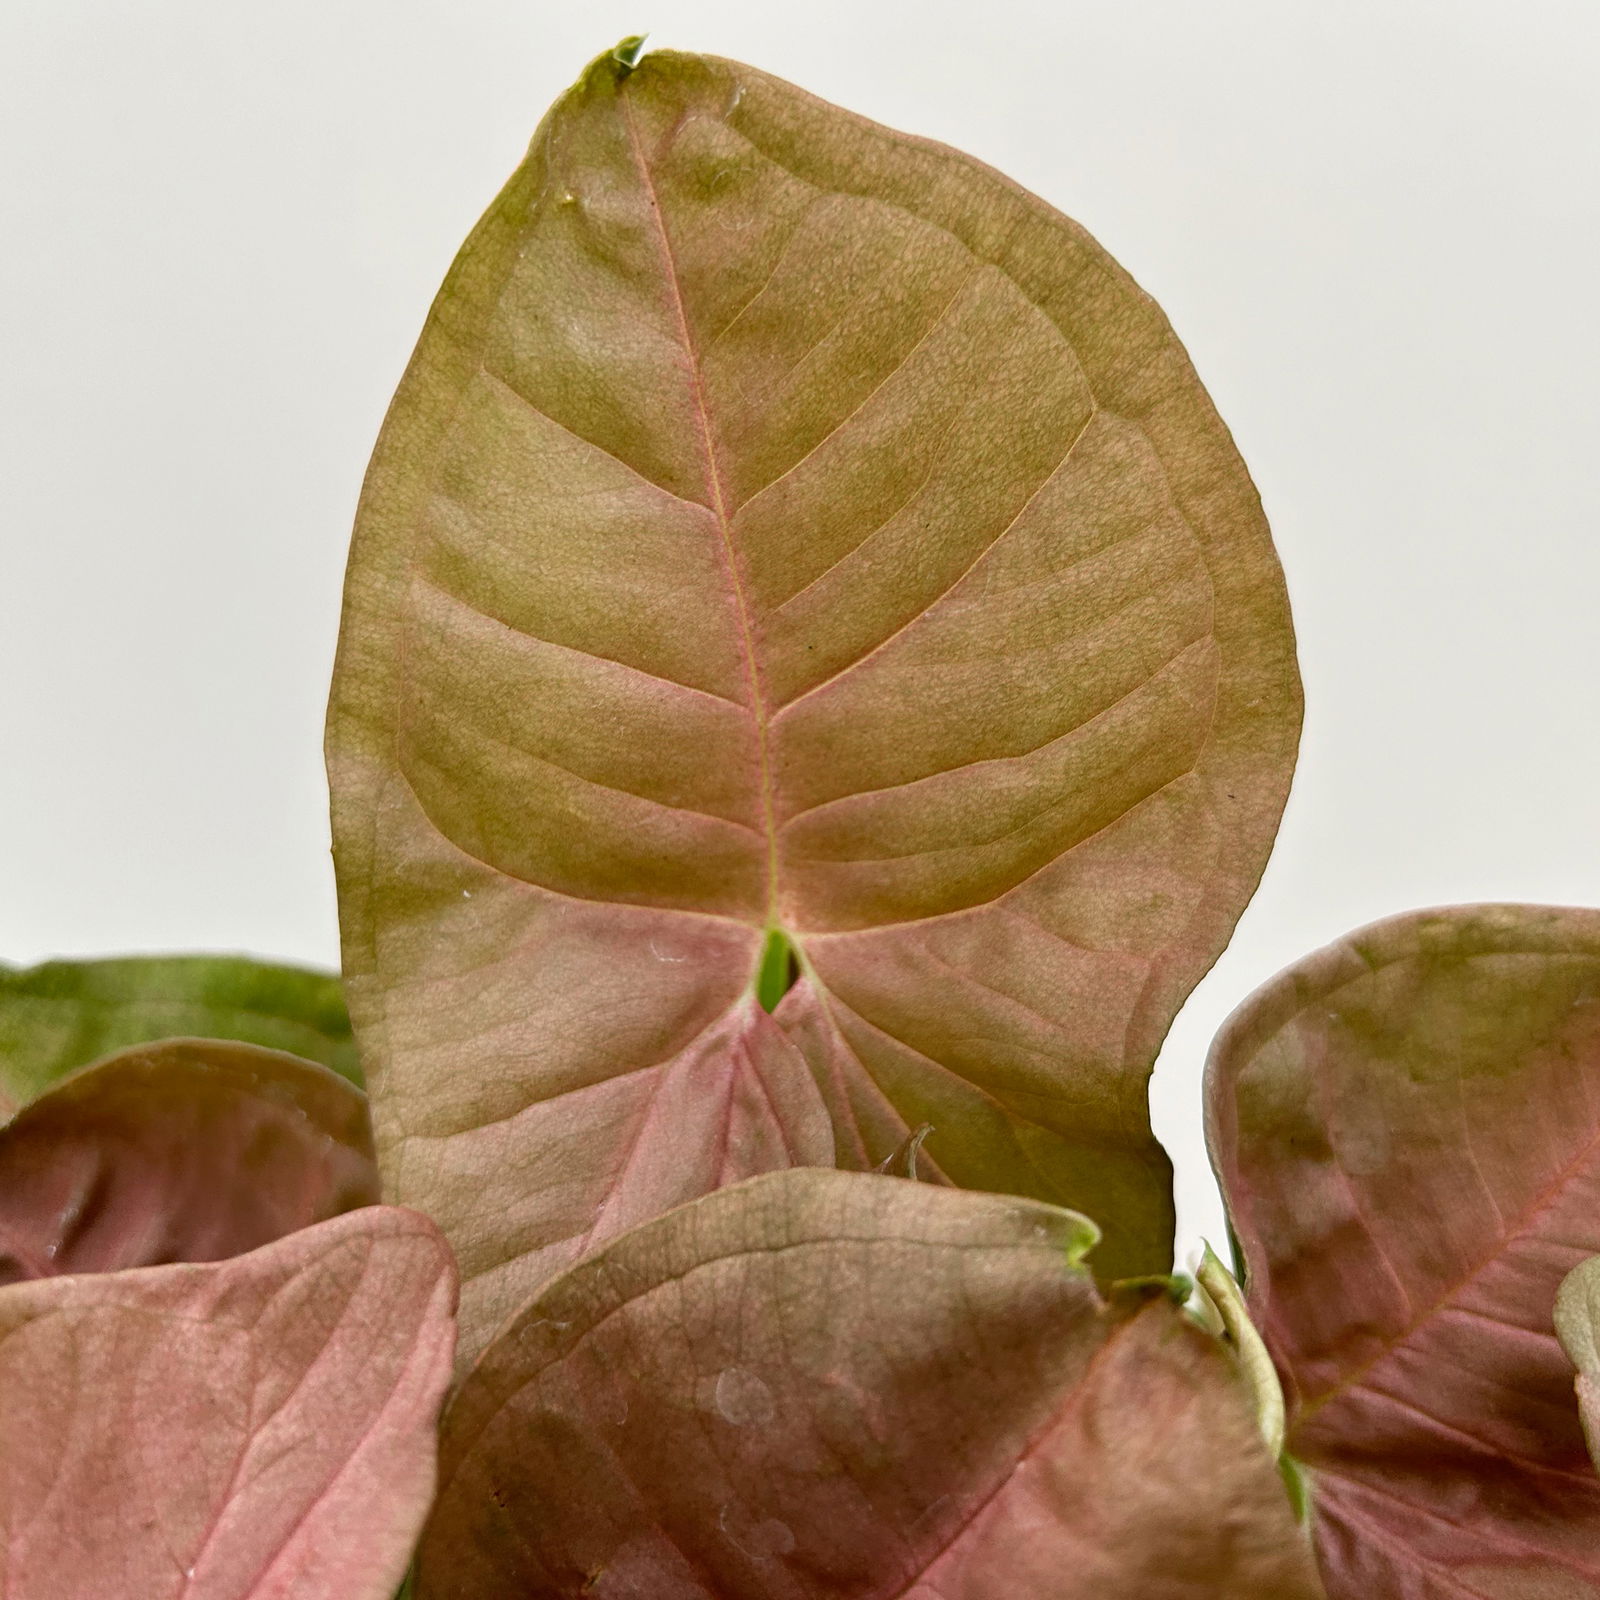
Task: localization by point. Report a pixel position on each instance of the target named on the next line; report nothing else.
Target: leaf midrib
(718, 505)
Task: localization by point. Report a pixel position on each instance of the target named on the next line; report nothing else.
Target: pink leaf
(184, 1150)
(838, 1386)
(1407, 1127)
(260, 1428)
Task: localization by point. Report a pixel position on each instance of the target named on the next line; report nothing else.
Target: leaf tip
(901, 1162)
(1082, 1236)
(626, 53)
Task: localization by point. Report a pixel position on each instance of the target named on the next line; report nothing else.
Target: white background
(1376, 226)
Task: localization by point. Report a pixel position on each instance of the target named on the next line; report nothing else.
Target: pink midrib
(719, 509)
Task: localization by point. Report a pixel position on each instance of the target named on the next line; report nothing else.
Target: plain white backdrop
(1375, 225)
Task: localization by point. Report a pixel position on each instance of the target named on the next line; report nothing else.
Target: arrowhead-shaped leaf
(62, 1015)
(1578, 1328)
(786, 524)
(255, 1429)
(835, 1384)
(186, 1150)
(1407, 1128)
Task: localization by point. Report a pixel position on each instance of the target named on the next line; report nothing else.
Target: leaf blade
(837, 1384)
(183, 1150)
(1405, 1127)
(61, 1015)
(722, 464)
(261, 1427)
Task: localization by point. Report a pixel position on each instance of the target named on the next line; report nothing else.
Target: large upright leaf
(1407, 1128)
(186, 1150)
(826, 1384)
(65, 1014)
(785, 524)
(255, 1429)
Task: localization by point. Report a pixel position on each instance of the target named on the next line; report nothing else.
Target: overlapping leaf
(64, 1014)
(1577, 1319)
(185, 1150)
(1407, 1129)
(826, 1384)
(787, 524)
(256, 1429)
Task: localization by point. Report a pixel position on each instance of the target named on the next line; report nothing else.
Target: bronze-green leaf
(837, 1386)
(788, 524)
(64, 1014)
(1407, 1129)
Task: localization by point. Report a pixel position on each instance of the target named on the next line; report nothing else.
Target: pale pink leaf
(1407, 1129)
(261, 1428)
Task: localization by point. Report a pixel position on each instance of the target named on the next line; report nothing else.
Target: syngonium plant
(815, 693)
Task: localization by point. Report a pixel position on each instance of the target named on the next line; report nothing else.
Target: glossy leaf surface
(254, 1429)
(61, 1015)
(186, 1150)
(1407, 1128)
(837, 1384)
(786, 523)
(1578, 1328)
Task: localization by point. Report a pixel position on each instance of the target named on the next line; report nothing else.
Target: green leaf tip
(779, 967)
(1222, 1290)
(1083, 1235)
(626, 54)
(1173, 1286)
